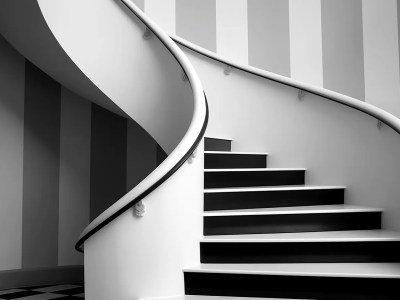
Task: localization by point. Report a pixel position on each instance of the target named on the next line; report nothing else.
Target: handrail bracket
(139, 209)
(228, 70)
(301, 94)
(147, 34)
(192, 156)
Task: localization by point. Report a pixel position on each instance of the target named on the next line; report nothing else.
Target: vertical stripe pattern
(141, 154)
(232, 34)
(342, 44)
(48, 150)
(306, 41)
(269, 35)
(74, 192)
(41, 169)
(11, 154)
(381, 54)
(107, 159)
(196, 22)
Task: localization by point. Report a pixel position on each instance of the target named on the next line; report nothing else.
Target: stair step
(200, 297)
(361, 270)
(217, 144)
(236, 152)
(325, 236)
(269, 197)
(223, 160)
(220, 178)
(295, 210)
(291, 219)
(305, 247)
(371, 281)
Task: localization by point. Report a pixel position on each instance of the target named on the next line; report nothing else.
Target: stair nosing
(237, 270)
(324, 209)
(236, 153)
(255, 169)
(303, 237)
(215, 138)
(274, 188)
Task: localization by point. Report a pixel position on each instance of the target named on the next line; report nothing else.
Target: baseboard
(40, 276)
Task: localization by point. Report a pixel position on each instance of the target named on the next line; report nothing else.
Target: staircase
(267, 234)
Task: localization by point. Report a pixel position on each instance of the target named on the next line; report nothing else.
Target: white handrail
(380, 114)
(182, 151)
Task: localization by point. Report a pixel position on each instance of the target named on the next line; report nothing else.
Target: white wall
(114, 32)
(381, 54)
(231, 27)
(163, 13)
(143, 257)
(337, 145)
(306, 41)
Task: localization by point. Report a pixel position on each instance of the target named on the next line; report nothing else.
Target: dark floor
(61, 291)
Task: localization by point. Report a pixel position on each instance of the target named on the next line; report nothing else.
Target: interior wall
(351, 47)
(342, 44)
(74, 183)
(107, 159)
(50, 160)
(12, 79)
(305, 41)
(196, 22)
(41, 159)
(231, 26)
(338, 145)
(381, 54)
(268, 27)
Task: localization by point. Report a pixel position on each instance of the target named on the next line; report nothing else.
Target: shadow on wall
(67, 159)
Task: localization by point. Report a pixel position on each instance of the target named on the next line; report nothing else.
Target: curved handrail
(178, 156)
(380, 114)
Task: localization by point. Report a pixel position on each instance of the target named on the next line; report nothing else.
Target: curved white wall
(144, 257)
(24, 27)
(105, 40)
(338, 145)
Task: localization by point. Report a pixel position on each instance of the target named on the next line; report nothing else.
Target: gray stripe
(11, 153)
(141, 154)
(269, 38)
(139, 3)
(108, 159)
(74, 175)
(41, 169)
(161, 155)
(196, 22)
(342, 47)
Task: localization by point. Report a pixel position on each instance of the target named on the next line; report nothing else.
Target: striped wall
(63, 160)
(351, 47)
(41, 162)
